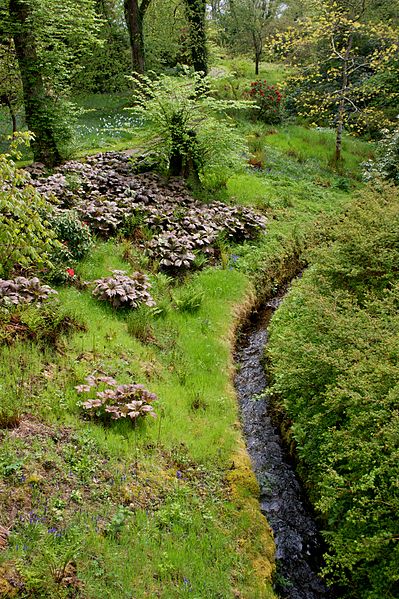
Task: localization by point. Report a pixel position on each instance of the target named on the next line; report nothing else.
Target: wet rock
(298, 548)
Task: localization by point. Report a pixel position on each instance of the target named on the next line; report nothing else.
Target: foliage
(189, 300)
(386, 164)
(116, 401)
(245, 23)
(72, 233)
(333, 347)
(102, 215)
(26, 238)
(123, 291)
(185, 129)
(173, 251)
(268, 99)
(338, 55)
(23, 291)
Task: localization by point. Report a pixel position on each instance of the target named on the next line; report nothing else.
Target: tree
(49, 39)
(10, 82)
(338, 57)
(134, 14)
(195, 13)
(245, 23)
(187, 131)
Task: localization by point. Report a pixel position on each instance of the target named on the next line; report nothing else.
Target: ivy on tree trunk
(195, 11)
(36, 102)
(134, 15)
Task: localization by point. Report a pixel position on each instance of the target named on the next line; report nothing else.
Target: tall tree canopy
(49, 40)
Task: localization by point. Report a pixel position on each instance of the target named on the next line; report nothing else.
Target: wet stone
(298, 549)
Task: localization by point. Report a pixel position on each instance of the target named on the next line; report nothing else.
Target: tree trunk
(134, 16)
(38, 117)
(258, 48)
(195, 11)
(342, 100)
(4, 99)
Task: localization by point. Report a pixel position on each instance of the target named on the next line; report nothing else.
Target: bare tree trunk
(36, 102)
(342, 101)
(258, 47)
(195, 11)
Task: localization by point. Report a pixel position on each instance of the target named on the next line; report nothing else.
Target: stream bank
(298, 546)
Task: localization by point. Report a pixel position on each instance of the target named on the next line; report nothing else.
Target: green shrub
(72, 233)
(188, 129)
(334, 355)
(26, 238)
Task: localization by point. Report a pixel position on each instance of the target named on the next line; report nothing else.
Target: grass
(167, 508)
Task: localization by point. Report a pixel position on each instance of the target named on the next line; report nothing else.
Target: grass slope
(167, 508)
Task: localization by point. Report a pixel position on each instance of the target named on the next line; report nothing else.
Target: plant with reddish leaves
(268, 99)
(112, 401)
(123, 291)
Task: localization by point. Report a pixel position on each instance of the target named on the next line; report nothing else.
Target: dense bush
(74, 235)
(334, 354)
(122, 291)
(268, 99)
(116, 401)
(188, 129)
(26, 238)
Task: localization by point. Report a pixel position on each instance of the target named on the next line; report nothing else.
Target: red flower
(71, 272)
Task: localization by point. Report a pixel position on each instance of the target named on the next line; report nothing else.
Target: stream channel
(282, 501)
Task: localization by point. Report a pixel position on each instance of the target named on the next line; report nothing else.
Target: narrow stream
(298, 547)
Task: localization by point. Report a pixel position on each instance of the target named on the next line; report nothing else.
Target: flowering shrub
(23, 291)
(121, 290)
(116, 401)
(268, 99)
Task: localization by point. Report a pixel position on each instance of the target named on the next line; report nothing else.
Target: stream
(298, 546)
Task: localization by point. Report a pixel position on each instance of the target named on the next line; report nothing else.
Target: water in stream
(281, 498)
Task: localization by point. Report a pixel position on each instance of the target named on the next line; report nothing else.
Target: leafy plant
(74, 235)
(172, 251)
(23, 291)
(386, 165)
(121, 290)
(189, 299)
(26, 237)
(116, 401)
(102, 215)
(189, 130)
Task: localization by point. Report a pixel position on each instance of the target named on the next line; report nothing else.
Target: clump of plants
(123, 291)
(268, 99)
(73, 234)
(23, 291)
(102, 215)
(108, 400)
(173, 251)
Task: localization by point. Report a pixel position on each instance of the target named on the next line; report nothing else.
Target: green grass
(167, 507)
